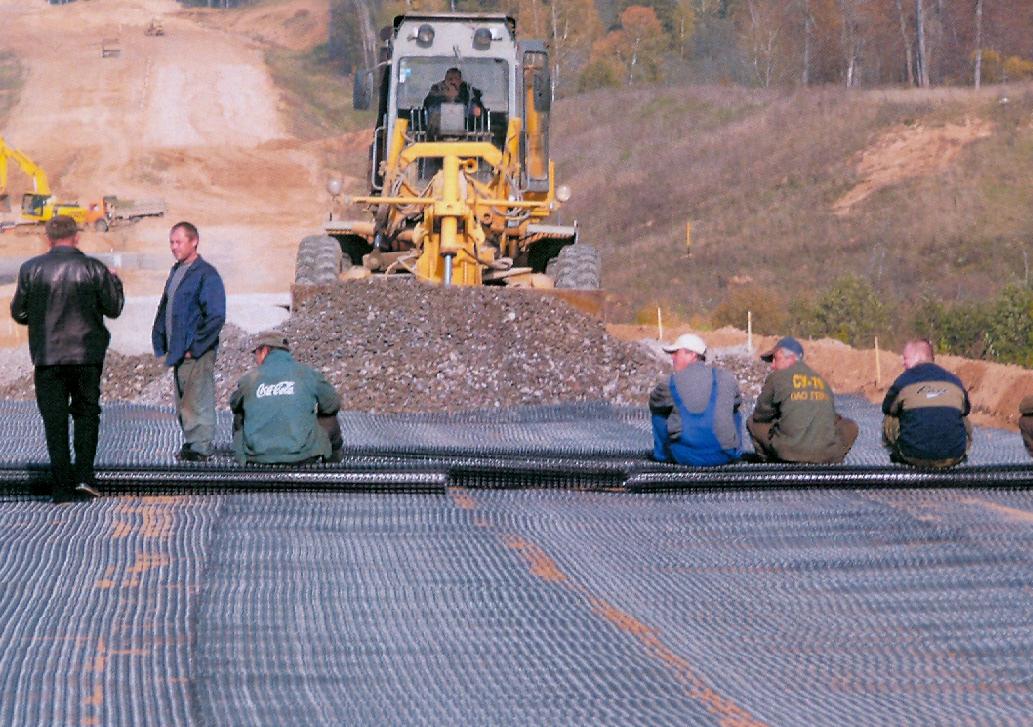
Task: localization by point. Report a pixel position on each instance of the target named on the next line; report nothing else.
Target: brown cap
(272, 339)
(61, 227)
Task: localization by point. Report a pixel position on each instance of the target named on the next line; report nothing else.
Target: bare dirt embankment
(191, 116)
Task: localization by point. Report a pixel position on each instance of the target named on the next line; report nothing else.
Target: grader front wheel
(576, 267)
(319, 261)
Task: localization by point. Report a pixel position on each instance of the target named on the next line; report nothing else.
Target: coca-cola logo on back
(281, 388)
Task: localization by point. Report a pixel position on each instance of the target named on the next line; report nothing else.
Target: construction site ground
(190, 116)
(454, 603)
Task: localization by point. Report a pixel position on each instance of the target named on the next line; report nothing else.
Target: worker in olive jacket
(795, 417)
(284, 412)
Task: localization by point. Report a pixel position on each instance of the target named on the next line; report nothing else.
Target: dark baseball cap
(60, 227)
(272, 339)
(788, 343)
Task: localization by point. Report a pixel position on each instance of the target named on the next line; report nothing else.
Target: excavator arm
(40, 185)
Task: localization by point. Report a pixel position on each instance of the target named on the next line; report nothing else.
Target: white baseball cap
(688, 341)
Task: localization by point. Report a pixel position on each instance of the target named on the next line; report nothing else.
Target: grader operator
(460, 179)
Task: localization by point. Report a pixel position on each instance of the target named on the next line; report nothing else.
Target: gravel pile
(397, 345)
(400, 346)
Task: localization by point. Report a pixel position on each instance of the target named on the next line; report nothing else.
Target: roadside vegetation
(318, 94)
(758, 174)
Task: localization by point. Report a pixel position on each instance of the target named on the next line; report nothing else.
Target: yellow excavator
(39, 205)
(461, 183)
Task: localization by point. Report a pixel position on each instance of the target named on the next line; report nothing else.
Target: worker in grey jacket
(695, 412)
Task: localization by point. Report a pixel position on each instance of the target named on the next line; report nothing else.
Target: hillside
(916, 191)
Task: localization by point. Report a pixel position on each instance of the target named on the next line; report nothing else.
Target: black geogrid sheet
(146, 435)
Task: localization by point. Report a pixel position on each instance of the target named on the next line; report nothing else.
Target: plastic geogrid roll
(580, 446)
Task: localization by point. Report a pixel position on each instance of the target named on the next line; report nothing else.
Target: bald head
(917, 351)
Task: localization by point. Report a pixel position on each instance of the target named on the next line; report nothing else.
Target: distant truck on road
(127, 211)
(101, 216)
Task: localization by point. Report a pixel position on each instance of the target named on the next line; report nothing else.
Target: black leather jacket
(63, 296)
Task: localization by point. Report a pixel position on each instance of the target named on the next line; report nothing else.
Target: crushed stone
(398, 345)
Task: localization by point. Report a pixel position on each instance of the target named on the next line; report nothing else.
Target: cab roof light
(482, 39)
(425, 35)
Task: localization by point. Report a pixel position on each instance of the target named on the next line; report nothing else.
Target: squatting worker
(1026, 422)
(695, 412)
(283, 411)
(795, 417)
(926, 408)
(186, 333)
(63, 296)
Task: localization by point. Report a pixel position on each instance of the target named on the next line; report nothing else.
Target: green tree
(1010, 331)
(849, 310)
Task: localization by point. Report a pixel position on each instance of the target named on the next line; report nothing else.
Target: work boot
(86, 491)
(61, 495)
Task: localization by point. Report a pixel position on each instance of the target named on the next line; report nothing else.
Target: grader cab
(461, 184)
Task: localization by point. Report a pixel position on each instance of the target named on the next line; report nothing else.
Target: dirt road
(190, 116)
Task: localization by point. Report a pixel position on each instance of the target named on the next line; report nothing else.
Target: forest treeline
(763, 43)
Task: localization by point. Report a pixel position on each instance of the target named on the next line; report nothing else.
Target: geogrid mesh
(778, 605)
(845, 607)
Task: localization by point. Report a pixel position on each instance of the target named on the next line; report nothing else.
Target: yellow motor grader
(460, 179)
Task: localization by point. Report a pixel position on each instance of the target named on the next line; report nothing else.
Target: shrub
(849, 310)
(1009, 332)
(1018, 69)
(600, 73)
(958, 329)
(767, 305)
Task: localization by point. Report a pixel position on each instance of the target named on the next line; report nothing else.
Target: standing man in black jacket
(63, 296)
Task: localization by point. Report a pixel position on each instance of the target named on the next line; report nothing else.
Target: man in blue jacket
(926, 410)
(283, 411)
(186, 333)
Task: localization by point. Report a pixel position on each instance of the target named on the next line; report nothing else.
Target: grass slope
(758, 173)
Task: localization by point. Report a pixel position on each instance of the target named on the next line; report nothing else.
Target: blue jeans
(195, 401)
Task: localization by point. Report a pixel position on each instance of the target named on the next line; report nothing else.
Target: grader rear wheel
(576, 267)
